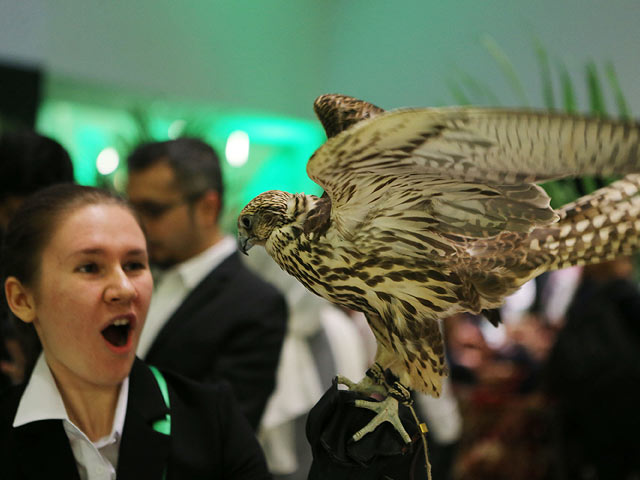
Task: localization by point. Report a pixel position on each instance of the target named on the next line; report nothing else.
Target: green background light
(86, 121)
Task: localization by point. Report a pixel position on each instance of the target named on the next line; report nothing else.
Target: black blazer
(210, 438)
(231, 326)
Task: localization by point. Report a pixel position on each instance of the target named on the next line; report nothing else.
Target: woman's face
(92, 295)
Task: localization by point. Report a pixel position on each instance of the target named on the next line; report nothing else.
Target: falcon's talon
(387, 411)
(366, 386)
(341, 380)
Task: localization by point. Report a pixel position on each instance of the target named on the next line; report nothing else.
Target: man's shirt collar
(193, 270)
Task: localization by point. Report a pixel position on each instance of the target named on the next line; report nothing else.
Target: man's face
(173, 232)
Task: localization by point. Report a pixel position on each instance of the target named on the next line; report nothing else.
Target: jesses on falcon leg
(375, 383)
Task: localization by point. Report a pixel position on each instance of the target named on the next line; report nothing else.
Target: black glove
(381, 454)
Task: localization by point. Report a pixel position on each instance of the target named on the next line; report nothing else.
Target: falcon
(433, 211)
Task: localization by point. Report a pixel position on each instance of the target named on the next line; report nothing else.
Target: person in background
(28, 162)
(75, 270)
(593, 373)
(210, 317)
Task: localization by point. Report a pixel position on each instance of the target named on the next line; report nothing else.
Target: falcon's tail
(597, 227)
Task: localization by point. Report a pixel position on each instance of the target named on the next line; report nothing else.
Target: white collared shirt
(41, 400)
(175, 284)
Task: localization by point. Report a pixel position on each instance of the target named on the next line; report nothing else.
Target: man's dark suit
(209, 438)
(230, 326)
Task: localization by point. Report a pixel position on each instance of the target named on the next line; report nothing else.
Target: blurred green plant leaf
(569, 103)
(594, 89)
(618, 96)
(478, 89)
(467, 90)
(457, 92)
(507, 68)
(545, 75)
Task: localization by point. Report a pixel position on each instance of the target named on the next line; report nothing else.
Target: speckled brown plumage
(429, 212)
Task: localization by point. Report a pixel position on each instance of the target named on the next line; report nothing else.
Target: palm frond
(458, 93)
(594, 89)
(507, 68)
(545, 75)
(467, 89)
(569, 103)
(618, 96)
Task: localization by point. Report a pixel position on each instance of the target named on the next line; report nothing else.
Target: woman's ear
(20, 300)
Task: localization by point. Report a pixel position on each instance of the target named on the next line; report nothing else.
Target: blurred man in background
(210, 317)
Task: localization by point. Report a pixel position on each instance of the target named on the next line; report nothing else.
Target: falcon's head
(261, 216)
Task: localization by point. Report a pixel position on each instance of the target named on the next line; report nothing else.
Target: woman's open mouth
(118, 333)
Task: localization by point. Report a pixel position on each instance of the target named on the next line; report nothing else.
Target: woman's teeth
(118, 332)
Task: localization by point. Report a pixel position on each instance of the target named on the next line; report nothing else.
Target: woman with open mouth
(75, 269)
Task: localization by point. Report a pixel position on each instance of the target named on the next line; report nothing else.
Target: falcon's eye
(246, 222)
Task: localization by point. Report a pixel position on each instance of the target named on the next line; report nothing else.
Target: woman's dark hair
(35, 222)
(31, 228)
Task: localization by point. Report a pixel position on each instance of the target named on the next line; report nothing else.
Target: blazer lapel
(55, 458)
(144, 452)
(207, 289)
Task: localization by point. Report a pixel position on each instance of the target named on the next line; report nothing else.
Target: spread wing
(463, 171)
(338, 112)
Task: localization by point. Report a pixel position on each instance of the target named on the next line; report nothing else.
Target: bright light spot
(176, 128)
(237, 149)
(120, 181)
(107, 161)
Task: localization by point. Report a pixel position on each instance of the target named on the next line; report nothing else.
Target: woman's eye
(88, 268)
(133, 266)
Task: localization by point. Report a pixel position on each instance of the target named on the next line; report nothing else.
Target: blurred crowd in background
(551, 393)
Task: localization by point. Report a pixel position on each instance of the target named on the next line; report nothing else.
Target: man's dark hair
(194, 162)
(30, 161)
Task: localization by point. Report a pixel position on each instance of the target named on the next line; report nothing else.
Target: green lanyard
(164, 424)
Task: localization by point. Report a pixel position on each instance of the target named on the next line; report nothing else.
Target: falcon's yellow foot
(387, 396)
(387, 411)
(371, 385)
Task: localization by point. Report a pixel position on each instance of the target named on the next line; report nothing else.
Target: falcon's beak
(244, 243)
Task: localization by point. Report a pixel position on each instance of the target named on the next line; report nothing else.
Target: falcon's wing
(482, 145)
(467, 163)
(339, 112)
